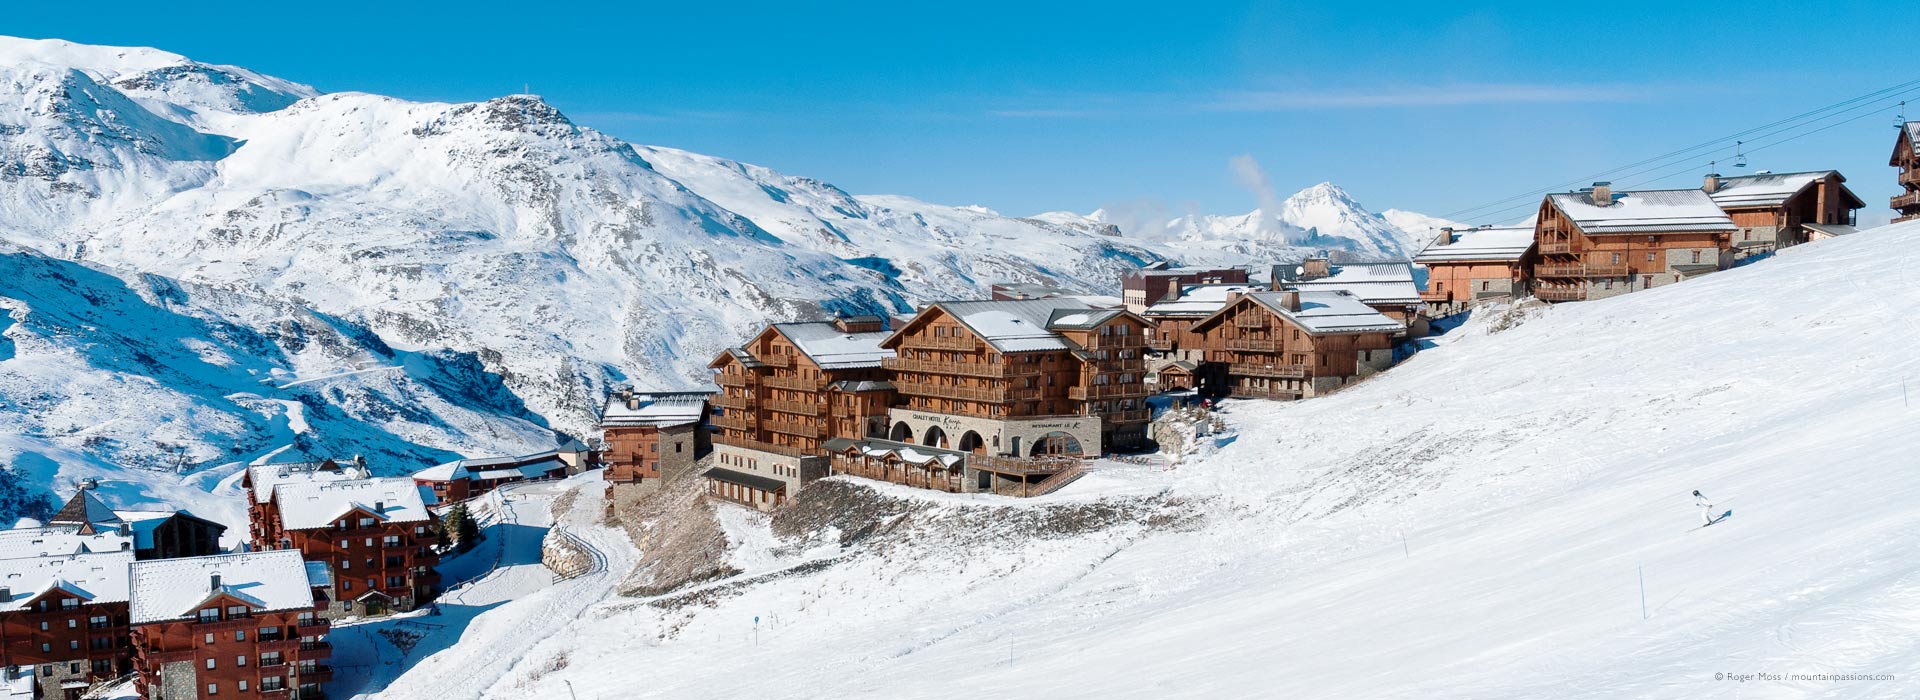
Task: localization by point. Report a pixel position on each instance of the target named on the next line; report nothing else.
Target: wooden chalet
(788, 391)
(1598, 243)
(1777, 210)
(260, 479)
(1472, 266)
(1386, 287)
(1906, 157)
(1145, 287)
(653, 435)
(1294, 344)
(463, 479)
(1173, 316)
(1033, 378)
(230, 625)
(65, 617)
(374, 536)
(1176, 375)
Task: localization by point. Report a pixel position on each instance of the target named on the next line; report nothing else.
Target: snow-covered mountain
(1321, 217)
(558, 258)
(1455, 527)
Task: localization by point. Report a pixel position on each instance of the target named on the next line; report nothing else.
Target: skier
(1706, 508)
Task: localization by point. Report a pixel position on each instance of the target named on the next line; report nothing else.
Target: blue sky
(1027, 107)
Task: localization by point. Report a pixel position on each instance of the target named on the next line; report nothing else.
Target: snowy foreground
(1475, 523)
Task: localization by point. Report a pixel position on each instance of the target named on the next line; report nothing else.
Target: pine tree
(460, 524)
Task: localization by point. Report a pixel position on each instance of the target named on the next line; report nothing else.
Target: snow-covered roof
(1324, 312)
(1913, 136)
(908, 452)
(84, 507)
(752, 481)
(528, 470)
(1372, 283)
(864, 385)
(1833, 229)
(174, 589)
(448, 471)
(664, 408)
(1014, 326)
(1765, 189)
(1494, 243)
(831, 348)
(62, 539)
(1198, 300)
(1081, 319)
(99, 577)
(266, 476)
(1646, 211)
(312, 505)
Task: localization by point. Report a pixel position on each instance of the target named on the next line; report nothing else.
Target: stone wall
(1001, 437)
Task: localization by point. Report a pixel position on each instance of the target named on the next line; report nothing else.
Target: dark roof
(84, 508)
(752, 481)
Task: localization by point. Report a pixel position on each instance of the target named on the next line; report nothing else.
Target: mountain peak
(1323, 192)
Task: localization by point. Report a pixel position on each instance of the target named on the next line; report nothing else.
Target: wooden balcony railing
(1560, 293)
(1135, 416)
(736, 422)
(961, 393)
(730, 401)
(1161, 344)
(731, 379)
(1107, 391)
(795, 383)
(1277, 394)
(1585, 270)
(802, 408)
(1253, 320)
(1253, 344)
(1910, 176)
(750, 444)
(776, 360)
(1439, 297)
(965, 369)
(1116, 342)
(1556, 248)
(1902, 201)
(1281, 371)
(796, 428)
(940, 343)
(1024, 465)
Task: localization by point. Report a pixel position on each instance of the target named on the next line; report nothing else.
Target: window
(69, 603)
(391, 540)
(346, 585)
(239, 635)
(209, 664)
(98, 621)
(346, 564)
(345, 543)
(209, 637)
(1696, 257)
(236, 611)
(73, 623)
(44, 647)
(369, 542)
(243, 686)
(212, 688)
(100, 643)
(43, 625)
(1649, 256)
(272, 683)
(366, 522)
(271, 658)
(240, 660)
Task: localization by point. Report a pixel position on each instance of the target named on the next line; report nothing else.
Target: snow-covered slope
(1475, 523)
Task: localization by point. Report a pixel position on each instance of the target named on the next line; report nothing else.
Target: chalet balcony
(1160, 344)
(964, 369)
(800, 408)
(787, 450)
(735, 422)
(1278, 371)
(776, 360)
(798, 428)
(311, 648)
(730, 379)
(1274, 394)
(1107, 391)
(1138, 416)
(795, 383)
(1250, 321)
(1902, 201)
(725, 401)
(1560, 293)
(1439, 297)
(1556, 248)
(1586, 270)
(1023, 465)
(939, 343)
(316, 674)
(1253, 344)
(962, 393)
(1910, 176)
(1116, 342)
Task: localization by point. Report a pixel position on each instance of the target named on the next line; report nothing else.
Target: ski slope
(1476, 523)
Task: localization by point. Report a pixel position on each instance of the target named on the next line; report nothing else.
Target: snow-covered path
(490, 624)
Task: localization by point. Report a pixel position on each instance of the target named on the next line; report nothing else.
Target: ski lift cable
(1669, 170)
(1810, 116)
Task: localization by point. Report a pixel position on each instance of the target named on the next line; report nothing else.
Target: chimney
(1316, 267)
(126, 529)
(1291, 300)
(1602, 194)
(1712, 184)
(6, 593)
(216, 583)
(1446, 236)
(380, 507)
(1173, 290)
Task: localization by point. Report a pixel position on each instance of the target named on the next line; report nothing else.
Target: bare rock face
(680, 540)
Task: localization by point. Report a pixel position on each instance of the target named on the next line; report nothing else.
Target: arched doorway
(901, 433)
(934, 437)
(1056, 444)
(970, 442)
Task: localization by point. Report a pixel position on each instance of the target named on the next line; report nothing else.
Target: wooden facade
(1906, 157)
(1773, 210)
(70, 636)
(1142, 288)
(1472, 266)
(232, 643)
(1276, 345)
(378, 566)
(637, 453)
(775, 397)
(1663, 237)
